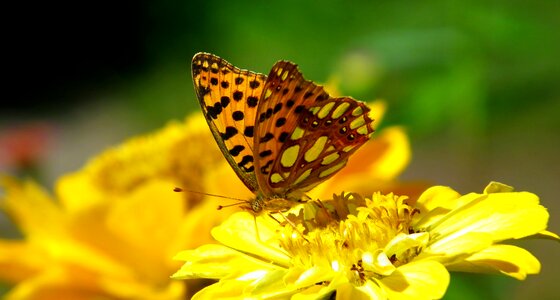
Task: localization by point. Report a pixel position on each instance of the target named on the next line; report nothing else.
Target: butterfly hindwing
(303, 135)
(229, 99)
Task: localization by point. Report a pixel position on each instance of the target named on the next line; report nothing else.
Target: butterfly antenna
(180, 190)
(220, 207)
(239, 201)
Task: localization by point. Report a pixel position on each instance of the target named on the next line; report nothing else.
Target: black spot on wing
(236, 150)
(283, 136)
(203, 90)
(244, 161)
(237, 115)
(254, 84)
(224, 101)
(252, 101)
(265, 153)
(265, 169)
(277, 107)
(280, 122)
(267, 137)
(230, 132)
(249, 131)
(237, 95)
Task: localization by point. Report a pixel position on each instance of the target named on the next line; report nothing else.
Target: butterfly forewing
(229, 99)
(303, 136)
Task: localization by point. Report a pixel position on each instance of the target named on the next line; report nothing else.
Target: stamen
(354, 244)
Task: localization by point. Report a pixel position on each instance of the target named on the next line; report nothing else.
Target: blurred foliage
(471, 64)
(439, 63)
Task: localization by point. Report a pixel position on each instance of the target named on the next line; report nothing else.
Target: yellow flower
(122, 202)
(378, 248)
(113, 227)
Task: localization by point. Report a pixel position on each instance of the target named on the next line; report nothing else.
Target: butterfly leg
(289, 222)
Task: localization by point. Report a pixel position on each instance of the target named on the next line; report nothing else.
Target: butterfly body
(280, 133)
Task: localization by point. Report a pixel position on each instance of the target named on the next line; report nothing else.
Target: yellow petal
(404, 242)
(272, 285)
(382, 158)
(378, 109)
(76, 192)
(197, 224)
(434, 203)
(225, 289)
(417, 280)
(62, 244)
(217, 261)
(240, 289)
(181, 152)
(506, 259)
(222, 180)
(497, 187)
(19, 260)
(158, 211)
(382, 264)
(116, 223)
(503, 215)
(49, 285)
(60, 281)
(545, 234)
(32, 209)
(438, 196)
(244, 232)
(368, 291)
(318, 291)
(240, 275)
(454, 247)
(313, 275)
(396, 154)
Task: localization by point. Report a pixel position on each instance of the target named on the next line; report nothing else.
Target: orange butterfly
(281, 134)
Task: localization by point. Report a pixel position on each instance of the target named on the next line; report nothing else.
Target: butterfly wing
(303, 135)
(229, 98)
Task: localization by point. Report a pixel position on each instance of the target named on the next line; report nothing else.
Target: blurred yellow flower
(113, 227)
(378, 248)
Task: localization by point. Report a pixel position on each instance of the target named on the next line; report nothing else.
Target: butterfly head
(256, 205)
(272, 205)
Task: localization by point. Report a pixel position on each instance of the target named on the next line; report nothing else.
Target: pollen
(356, 238)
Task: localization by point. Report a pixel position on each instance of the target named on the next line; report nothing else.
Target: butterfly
(281, 134)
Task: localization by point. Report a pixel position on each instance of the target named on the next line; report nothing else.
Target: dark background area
(62, 49)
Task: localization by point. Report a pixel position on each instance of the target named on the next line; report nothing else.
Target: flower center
(352, 236)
